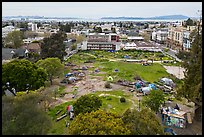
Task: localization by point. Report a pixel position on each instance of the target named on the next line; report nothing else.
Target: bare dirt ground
(176, 71)
(90, 84)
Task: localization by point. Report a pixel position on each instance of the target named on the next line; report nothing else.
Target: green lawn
(128, 71)
(59, 128)
(109, 104)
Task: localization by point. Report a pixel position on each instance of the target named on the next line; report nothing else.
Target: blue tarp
(152, 86)
(68, 74)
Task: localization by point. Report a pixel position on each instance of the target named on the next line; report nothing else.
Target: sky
(100, 9)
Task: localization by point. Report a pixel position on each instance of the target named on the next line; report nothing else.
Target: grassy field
(59, 128)
(109, 103)
(128, 71)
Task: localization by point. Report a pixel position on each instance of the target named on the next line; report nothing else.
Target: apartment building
(175, 37)
(101, 41)
(160, 36)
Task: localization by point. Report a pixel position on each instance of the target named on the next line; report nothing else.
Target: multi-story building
(175, 38)
(160, 36)
(186, 41)
(101, 41)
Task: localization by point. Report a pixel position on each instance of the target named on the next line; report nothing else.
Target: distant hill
(168, 17)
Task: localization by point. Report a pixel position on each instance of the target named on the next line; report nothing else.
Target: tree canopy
(19, 73)
(66, 28)
(53, 46)
(87, 103)
(154, 99)
(23, 116)
(14, 39)
(98, 123)
(53, 66)
(192, 87)
(142, 122)
(189, 22)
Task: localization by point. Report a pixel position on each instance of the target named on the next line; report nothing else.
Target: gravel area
(176, 71)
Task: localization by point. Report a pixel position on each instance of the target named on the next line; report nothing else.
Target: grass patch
(114, 105)
(59, 128)
(127, 71)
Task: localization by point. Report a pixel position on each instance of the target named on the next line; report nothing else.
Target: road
(170, 52)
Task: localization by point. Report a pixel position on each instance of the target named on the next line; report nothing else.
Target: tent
(68, 74)
(138, 85)
(146, 90)
(110, 78)
(167, 81)
(72, 79)
(81, 75)
(152, 86)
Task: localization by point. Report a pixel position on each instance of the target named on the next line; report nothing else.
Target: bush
(107, 84)
(122, 100)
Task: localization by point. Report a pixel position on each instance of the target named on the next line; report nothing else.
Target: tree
(189, 22)
(30, 34)
(98, 29)
(21, 72)
(14, 39)
(53, 46)
(154, 100)
(113, 30)
(98, 123)
(87, 103)
(66, 28)
(74, 46)
(192, 87)
(142, 123)
(53, 66)
(23, 116)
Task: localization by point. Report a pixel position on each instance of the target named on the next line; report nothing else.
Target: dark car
(170, 131)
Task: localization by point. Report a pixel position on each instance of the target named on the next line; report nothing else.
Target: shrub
(122, 100)
(107, 84)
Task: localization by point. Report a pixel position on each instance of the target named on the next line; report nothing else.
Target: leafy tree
(98, 123)
(21, 72)
(113, 30)
(154, 99)
(53, 66)
(189, 22)
(74, 46)
(53, 46)
(66, 28)
(87, 103)
(98, 29)
(30, 34)
(23, 116)
(142, 123)
(14, 39)
(192, 87)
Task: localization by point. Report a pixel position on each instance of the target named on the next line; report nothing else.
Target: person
(68, 108)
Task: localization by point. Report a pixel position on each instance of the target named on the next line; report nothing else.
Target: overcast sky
(100, 9)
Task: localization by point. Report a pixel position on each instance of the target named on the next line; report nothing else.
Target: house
(20, 53)
(7, 53)
(32, 47)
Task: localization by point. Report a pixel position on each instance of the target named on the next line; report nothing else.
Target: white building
(186, 41)
(7, 30)
(34, 27)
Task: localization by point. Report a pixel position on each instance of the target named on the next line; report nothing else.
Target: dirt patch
(176, 71)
